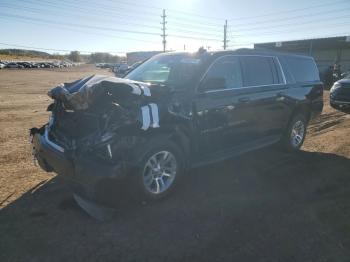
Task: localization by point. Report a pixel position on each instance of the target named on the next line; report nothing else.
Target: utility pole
(225, 35)
(163, 35)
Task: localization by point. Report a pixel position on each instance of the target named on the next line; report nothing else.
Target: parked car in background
(174, 112)
(42, 64)
(36, 65)
(115, 68)
(133, 66)
(26, 64)
(14, 65)
(340, 94)
(121, 70)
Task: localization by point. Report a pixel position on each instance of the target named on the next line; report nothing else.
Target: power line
(39, 11)
(193, 15)
(59, 26)
(106, 12)
(113, 8)
(206, 24)
(99, 18)
(161, 8)
(195, 24)
(333, 12)
(57, 50)
(289, 11)
(78, 25)
(211, 34)
(191, 32)
(247, 26)
(100, 27)
(289, 40)
(289, 30)
(180, 25)
(297, 31)
(194, 38)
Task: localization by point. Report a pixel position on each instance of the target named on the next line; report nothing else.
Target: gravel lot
(263, 206)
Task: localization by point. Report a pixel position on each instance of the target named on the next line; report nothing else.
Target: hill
(22, 54)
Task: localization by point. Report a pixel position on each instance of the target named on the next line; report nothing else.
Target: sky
(120, 26)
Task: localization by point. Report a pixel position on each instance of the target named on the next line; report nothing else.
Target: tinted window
(258, 70)
(303, 69)
(228, 69)
(174, 69)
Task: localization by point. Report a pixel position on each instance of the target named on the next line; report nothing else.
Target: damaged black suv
(174, 112)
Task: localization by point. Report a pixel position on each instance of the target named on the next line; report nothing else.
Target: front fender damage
(100, 121)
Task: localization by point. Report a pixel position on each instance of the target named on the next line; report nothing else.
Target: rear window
(303, 69)
(259, 70)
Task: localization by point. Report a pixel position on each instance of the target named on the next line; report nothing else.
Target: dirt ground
(263, 206)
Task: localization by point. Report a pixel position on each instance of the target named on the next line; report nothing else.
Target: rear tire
(295, 133)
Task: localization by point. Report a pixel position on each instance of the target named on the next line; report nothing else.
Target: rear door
(263, 77)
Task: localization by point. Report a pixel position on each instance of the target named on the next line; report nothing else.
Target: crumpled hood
(80, 94)
(139, 97)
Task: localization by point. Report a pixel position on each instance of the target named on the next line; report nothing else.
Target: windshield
(175, 69)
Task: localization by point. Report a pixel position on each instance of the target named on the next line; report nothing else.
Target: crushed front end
(95, 126)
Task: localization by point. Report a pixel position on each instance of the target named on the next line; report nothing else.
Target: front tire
(159, 170)
(294, 136)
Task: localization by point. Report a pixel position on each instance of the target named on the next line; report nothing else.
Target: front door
(223, 115)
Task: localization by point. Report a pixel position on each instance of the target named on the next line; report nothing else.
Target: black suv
(174, 112)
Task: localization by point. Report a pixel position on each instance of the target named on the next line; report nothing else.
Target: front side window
(225, 73)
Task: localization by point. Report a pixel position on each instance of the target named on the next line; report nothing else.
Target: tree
(74, 56)
(103, 58)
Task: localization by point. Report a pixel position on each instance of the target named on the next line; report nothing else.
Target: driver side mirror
(216, 83)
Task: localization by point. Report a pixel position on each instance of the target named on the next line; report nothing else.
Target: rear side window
(303, 69)
(259, 70)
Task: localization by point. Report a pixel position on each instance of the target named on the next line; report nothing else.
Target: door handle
(244, 100)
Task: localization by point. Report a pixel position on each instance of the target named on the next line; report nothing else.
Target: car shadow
(287, 207)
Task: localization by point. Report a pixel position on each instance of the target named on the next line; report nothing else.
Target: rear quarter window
(303, 69)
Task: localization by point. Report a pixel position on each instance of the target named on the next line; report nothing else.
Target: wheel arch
(304, 109)
(179, 135)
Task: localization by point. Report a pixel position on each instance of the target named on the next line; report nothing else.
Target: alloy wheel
(298, 133)
(159, 172)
